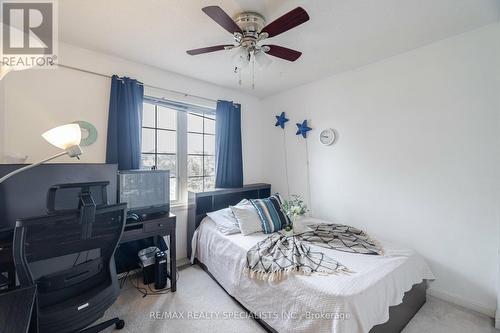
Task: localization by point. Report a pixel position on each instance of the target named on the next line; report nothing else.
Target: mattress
(315, 303)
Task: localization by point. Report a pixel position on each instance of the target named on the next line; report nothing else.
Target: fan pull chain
(253, 72)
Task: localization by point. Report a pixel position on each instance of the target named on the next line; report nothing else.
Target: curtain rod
(145, 85)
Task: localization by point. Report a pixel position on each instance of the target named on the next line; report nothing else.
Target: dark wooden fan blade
(283, 52)
(208, 49)
(286, 22)
(220, 16)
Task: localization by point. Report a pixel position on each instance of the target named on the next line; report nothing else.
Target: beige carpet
(198, 293)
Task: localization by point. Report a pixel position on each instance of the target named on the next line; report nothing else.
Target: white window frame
(182, 141)
(203, 155)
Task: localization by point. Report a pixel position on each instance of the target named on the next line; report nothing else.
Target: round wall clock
(327, 136)
(89, 132)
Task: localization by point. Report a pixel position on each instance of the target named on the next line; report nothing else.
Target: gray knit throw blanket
(278, 255)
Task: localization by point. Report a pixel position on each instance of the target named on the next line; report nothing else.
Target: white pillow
(225, 221)
(244, 202)
(248, 218)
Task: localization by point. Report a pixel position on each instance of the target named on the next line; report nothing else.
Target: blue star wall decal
(303, 129)
(281, 120)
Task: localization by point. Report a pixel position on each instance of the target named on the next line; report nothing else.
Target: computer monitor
(146, 192)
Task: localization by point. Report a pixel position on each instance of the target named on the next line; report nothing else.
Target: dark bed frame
(201, 203)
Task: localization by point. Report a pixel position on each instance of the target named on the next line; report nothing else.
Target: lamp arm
(15, 172)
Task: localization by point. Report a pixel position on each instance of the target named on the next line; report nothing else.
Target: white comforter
(315, 303)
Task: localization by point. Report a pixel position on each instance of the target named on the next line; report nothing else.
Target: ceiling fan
(249, 29)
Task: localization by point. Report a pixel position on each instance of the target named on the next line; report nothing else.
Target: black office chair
(69, 257)
(7, 270)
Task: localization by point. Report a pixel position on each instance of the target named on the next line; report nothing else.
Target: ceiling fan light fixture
(248, 30)
(241, 58)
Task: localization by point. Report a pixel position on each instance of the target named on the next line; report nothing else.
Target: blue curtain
(228, 156)
(124, 123)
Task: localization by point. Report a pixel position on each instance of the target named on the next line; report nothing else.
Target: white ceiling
(341, 34)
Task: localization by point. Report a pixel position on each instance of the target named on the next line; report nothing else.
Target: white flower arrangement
(294, 207)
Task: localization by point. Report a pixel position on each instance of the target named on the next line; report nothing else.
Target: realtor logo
(29, 34)
(28, 28)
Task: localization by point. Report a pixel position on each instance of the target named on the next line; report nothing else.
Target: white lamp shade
(262, 60)
(64, 136)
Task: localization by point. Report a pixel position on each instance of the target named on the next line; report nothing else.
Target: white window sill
(179, 205)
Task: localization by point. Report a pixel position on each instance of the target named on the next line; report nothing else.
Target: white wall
(37, 100)
(416, 161)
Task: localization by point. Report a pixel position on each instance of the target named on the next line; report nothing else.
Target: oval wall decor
(89, 132)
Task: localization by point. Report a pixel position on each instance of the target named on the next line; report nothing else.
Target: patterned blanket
(278, 255)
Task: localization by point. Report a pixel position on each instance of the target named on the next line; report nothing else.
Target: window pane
(195, 143)
(195, 184)
(147, 161)
(168, 162)
(195, 123)
(167, 142)
(148, 115)
(209, 126)
(173, 189)
(195, 166)
(209, 166)
(209, 183)
(167, 118)
(148, 140)
(209, 145)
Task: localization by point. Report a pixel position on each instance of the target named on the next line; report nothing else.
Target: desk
(156, 228)
(18, 310)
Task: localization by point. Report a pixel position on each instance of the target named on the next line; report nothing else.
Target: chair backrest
(56, 253)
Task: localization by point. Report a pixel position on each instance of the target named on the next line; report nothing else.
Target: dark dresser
(201, 203)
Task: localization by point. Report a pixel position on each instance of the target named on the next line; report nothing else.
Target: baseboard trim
(181, 262)
(463, 303)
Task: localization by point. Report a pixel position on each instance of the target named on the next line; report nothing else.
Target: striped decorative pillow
(279, 198)
(271, 215)
(283, 216)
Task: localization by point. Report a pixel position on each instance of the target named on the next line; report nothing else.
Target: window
(201, 151)
(159, 142)
(181, 138)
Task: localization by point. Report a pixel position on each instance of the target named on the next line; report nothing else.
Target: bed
(382, 296)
